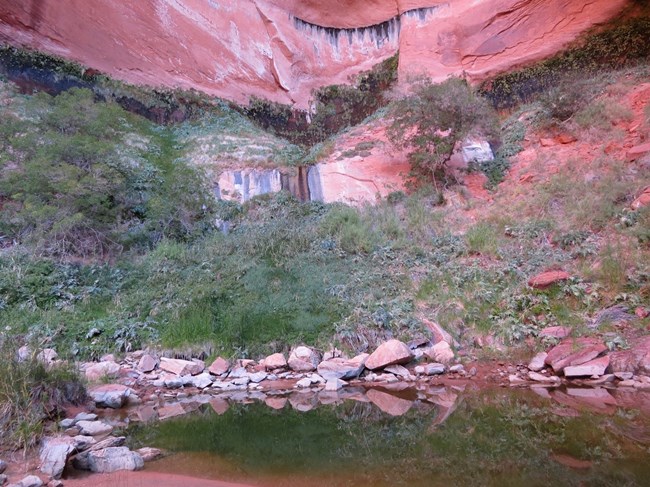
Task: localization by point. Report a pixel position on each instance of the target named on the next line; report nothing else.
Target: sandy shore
(145, 479)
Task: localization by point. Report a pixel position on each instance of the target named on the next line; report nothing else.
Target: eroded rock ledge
(283, 49)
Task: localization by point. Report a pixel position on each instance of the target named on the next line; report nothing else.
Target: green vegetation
(109, 242)
(336, 107)
(430, 122)
(80, 178)
(31, 393)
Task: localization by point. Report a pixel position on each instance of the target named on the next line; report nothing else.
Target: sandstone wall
(282, 49)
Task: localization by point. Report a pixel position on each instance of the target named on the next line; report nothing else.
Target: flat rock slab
(110, 395)
(219, 366)
(638, 151)
(54, 454)
(180, 367)
(389, 353)
(574, 352)
(340, 368)
(94, 428)
(593, 367)
(109, 460)
(537, 377)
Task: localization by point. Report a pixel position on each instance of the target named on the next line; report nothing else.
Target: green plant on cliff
(336, 106)
(624, 44)
(429, 124)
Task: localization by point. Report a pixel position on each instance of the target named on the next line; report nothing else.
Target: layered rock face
(283, 49)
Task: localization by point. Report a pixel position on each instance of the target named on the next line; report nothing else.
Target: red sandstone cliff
(282, 49)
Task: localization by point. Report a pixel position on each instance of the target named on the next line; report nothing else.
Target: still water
(435, 437)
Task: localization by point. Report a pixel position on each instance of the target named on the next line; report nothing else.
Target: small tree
(433, 119)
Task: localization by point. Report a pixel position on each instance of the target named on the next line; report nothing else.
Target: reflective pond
(440, 436)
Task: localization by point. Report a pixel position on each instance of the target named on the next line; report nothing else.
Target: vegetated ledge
(380, 34)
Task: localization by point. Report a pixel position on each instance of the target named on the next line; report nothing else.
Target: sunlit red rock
(283, 49)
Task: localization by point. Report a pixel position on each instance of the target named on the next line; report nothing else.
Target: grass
(31, 393)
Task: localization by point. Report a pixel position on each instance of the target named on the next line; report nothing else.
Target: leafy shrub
(430, 122)
(76, 182)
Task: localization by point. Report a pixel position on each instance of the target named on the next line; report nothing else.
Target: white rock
(54, 454)
(202, 381)
(441, 352)
(85, 417)
(398, 370)
(30, 481)
(47, 356)
(94, 428)
(537, 377)
(148, 453)
(257, 377)
(537, 363)
(305, 382)
(24, 353)
(430, 369)
(109, 460)
(110, 395)
(174, 383)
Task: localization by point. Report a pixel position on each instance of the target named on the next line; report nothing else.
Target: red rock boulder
(389, 353)
(548, 278)
(635, 360)
(572, 352)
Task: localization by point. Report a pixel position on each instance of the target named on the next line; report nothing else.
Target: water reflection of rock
(437, 401)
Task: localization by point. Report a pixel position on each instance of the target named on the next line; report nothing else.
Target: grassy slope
(336, 275)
